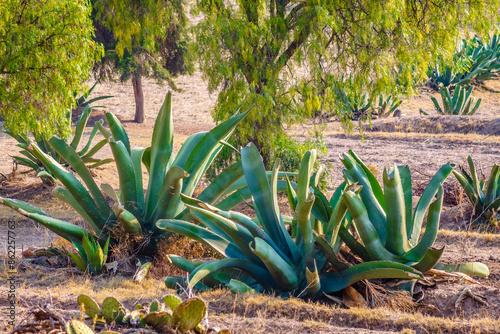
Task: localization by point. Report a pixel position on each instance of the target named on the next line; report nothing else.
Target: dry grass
(451, 137)
(181, 246)
(241, 313)
(482, 239)
(259, 307)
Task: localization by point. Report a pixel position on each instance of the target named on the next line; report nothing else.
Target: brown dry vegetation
(425, 143)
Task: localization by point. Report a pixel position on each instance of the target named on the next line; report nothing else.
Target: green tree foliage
(46, 53)
(142, 38)
(284, 57)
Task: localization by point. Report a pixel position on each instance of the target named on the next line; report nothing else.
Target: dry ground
(425, 143)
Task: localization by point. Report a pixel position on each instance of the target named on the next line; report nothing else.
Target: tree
(284, 58)
(46, 53)
(142, 39)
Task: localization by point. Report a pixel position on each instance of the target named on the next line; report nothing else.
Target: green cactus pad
(113, 310)
(89, 306)
(158, 320)
(77, 327)
(172, 301)
(189, 314)
(156, 306)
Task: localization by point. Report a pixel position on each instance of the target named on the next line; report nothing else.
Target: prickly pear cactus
(89, 306)
(113, 310)
(189, 314)
(183, 316)
(159, 320)
(77, 327)
(156, 306)
(172, 301)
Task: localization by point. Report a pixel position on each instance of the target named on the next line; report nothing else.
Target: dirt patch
(379, 319)
(424, 155)
(438, 124)
(446, 295)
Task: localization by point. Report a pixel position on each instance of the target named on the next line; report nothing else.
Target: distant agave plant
(134, 210)
(84, 101)
(484, 196)
(386, 106)
(461, 103)
(482, 62)
(355, 101)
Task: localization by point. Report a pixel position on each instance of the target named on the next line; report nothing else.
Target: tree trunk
(139, 99)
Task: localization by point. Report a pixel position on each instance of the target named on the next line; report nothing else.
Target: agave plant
(133, 211)
(459, 104)
(90, 255)
(475, 61)
(84, 101)
(439, 76)
(357, 104)
(86, 154)
(485, 198)
(260, 254)
(384, 220)
(386, 107)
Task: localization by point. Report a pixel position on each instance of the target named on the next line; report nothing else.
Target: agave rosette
(484, 196)
(260, 254)
(133, 209)
(388, 229)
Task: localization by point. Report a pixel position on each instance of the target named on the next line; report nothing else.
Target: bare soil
(425, 143)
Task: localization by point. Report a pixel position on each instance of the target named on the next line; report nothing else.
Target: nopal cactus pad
(77, 327)
(172, 301)
(113, 310)
(89, 306)
(156, 306)
(158, 320)
(189, 314)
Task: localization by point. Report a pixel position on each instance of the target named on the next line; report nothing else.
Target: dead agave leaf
(353, 298)
(142, 272)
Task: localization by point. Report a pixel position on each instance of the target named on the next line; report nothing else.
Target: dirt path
(424, 153)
